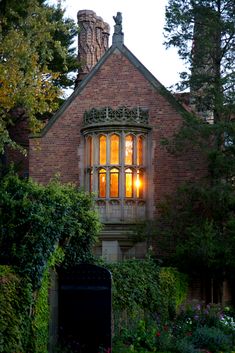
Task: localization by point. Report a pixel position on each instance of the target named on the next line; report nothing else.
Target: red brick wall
(117, 83)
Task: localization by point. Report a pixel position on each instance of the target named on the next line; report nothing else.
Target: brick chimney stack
(93, 41)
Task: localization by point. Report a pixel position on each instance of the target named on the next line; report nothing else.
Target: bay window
(116, 163)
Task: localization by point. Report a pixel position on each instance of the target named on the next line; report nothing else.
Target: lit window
(116, 143)
(114, 182)
(114, 149)
(128, 183)
(102, 183)
(107, 174)
(129, 149)
(139, 150)
(102, 149)
(139, 183)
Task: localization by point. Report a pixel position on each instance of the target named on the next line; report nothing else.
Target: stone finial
(118, 36)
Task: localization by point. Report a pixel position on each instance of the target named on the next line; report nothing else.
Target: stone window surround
(129, 122)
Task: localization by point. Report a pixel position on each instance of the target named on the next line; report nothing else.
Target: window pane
(114, 146)
(102, 183)
(102, 149)
(129, 149)
(114, 181)
(139, 184)
(139, 150)
(129, 183)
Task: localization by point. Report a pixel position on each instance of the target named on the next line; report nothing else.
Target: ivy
(40, 323)
(15, 303)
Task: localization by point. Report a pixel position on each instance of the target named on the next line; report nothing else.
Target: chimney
(93, 41)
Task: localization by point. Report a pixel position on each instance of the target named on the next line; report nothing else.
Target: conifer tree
(203, 32)
(200, 218)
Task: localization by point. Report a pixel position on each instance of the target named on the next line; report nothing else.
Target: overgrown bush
(35, 218)
(143, 286)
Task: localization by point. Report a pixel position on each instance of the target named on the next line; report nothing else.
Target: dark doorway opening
(85, 309)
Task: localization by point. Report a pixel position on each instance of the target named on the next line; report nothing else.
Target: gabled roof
(139, 66)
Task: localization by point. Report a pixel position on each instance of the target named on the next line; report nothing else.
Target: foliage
(140, 288)
(41, 317)
(194, 329)
(35, 218)
(15, 303)
(203, 32)
(199, 220)
(148, 291)
(211, 338)
(173, 291)
(33, 71)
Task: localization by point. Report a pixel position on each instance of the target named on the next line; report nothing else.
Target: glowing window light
(114, 182)
(102, 149)
(114, 149)
(129, 143)
(139, 184)
(140, 144)
(129, 183)
(102, 183)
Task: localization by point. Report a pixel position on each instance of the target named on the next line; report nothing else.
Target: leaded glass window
(115, 164)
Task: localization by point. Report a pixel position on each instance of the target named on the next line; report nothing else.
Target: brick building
(107, 137)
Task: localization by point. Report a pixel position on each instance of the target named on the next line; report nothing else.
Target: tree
(199, 219)
(35, 60)
(204, 34)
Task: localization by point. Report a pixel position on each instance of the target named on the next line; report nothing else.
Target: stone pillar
(92, 40)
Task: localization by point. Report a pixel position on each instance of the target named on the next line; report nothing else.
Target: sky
(142, 23)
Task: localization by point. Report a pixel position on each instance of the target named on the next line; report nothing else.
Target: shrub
(211, 338)
(135, 286)
(34, 218)
(185, 346)
(147, 288)
(173, 291)
(144, 298)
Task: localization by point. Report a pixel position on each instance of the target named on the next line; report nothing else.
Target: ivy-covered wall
(16, 301)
